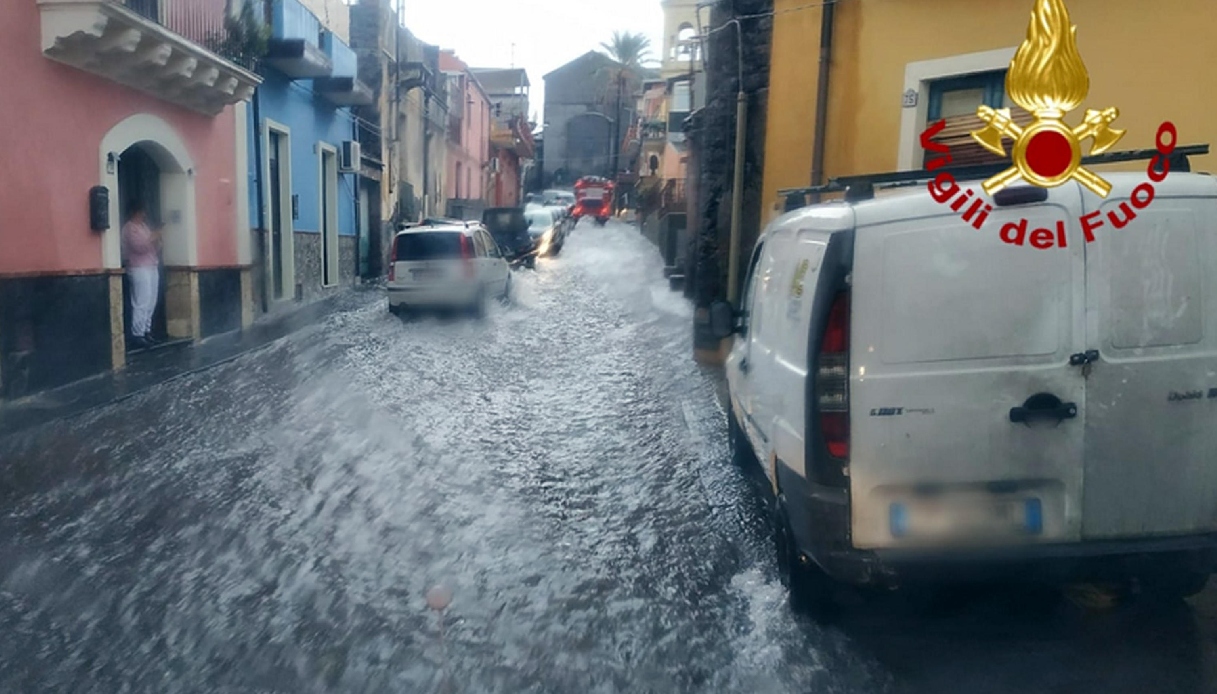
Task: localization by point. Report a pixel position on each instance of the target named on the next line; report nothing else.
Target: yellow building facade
(898, 64)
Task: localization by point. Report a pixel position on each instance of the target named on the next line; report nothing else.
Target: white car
(446, 265)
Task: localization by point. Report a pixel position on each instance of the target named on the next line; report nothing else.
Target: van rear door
(953, 331)
(1151, 423)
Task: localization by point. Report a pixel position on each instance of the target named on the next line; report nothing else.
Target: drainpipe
(826, 30)
(358, 186)
(737, 195)
(426, 94)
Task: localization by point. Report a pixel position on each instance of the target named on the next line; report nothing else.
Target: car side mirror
(722, 319)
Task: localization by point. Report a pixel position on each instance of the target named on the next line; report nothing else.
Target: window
(428, 245)
(479, 246)
(956, 99)
(960, 96)
(492, 247)
(685, 46)
(1032, 290)
(681, 101)
(540, 220)
(749, 290)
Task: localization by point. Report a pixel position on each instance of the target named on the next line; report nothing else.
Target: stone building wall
(714, 138)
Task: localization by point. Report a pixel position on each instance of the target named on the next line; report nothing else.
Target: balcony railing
(654, 130)
(203, 22)
(370, 141)
(192, 53)
(672, 197)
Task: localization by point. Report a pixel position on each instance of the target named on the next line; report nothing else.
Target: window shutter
(966, 151)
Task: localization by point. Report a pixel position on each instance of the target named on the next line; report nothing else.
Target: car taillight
(467, 254)
(832, 379)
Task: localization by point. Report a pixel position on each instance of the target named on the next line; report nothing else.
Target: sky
(547, 33)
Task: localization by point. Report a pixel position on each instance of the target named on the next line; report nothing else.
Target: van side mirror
(722, 319)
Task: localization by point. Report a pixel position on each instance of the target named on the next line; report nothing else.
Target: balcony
(156, 47)
(511, 137)
(343, 88)
(654, 130)
(293, 48)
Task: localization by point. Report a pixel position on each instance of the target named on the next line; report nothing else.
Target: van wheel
(741, 453)
(744, 459)
(811, 591)
(1174, 586)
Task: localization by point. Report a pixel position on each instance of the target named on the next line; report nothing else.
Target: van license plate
(967, 518)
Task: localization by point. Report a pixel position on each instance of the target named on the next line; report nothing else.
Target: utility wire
(773, 13)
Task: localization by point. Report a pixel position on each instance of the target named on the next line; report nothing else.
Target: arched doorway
(143, 158)
(139, 182)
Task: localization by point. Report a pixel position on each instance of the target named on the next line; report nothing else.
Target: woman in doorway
(141, 246)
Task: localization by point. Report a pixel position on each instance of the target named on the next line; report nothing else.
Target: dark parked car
(509, 227)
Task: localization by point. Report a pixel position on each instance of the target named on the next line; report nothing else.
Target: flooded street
(273, 525)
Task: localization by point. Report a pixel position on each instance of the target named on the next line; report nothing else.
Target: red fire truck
(593, 198)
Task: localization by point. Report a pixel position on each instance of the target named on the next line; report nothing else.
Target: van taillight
(832, 379)
(393, 261)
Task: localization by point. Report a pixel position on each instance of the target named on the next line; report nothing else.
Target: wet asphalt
(561, 468)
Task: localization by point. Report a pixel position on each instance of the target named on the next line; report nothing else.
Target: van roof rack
(863, 187)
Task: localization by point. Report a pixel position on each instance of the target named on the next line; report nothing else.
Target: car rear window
(430, 245)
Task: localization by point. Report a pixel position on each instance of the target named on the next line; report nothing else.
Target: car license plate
(424, 274)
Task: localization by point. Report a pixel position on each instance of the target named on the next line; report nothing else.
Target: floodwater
(561, 467)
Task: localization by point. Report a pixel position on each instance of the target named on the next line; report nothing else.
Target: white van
(928, 400)
(446, 264)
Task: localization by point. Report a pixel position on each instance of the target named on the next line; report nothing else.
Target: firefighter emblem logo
(1048, 78)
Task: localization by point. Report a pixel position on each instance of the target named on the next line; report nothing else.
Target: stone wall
(181, 301)
(308, 265)
(54, 330)
(714, 138)
(348, 260)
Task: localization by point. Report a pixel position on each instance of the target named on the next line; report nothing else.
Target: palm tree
(632, 54)
(630, 49)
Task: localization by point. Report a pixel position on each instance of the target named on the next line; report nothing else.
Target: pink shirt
(139, 245)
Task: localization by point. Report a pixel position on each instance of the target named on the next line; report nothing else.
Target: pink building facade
(112, 109)
(468, 161)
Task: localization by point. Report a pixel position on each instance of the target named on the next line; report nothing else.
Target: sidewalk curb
(323, 307)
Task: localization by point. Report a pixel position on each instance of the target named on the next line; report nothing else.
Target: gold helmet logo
(1048, 78)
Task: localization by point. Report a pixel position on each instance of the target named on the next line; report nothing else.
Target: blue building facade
(303, 180)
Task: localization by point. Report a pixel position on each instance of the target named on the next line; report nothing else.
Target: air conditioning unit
(350, 158)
